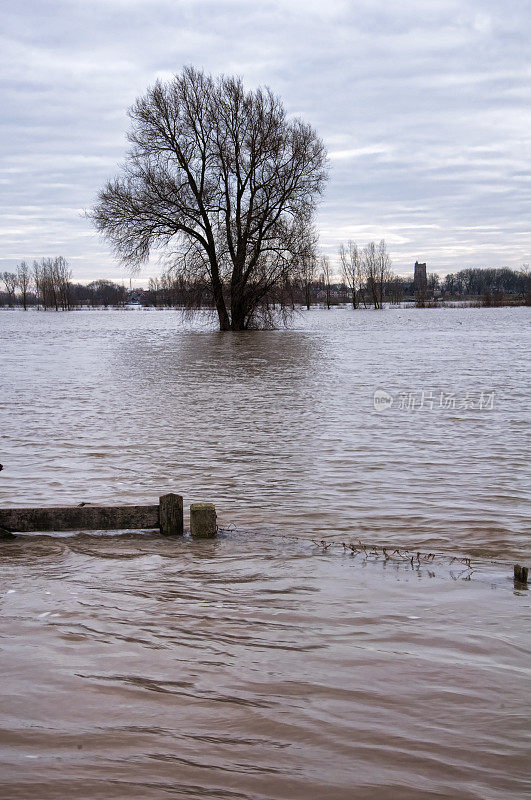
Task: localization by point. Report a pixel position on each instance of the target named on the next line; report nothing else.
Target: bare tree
(10, 282)
(308, 270)
(371, 273)
(350, 257)
(308, 266)
(525, 275)
(395, 289)
(326, 277)
(154, 286)
(224, 178)
(61, 276)
(24, 282)
(51, 277)
(376, 270)
(383, 263)
(38, 283)
(106, 293)
(48, 284)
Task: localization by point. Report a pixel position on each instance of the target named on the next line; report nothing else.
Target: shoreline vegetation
(134, 305)
(48, 285)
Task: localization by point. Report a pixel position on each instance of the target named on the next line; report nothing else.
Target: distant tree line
(486, 286)
(47, 284)
(476, 282)
(366, 281)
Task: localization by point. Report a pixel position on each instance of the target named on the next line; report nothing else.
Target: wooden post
(171, 515)
(520, 573)
(203, 520)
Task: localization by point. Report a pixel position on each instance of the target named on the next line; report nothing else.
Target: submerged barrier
(415, 559)
(167, 516)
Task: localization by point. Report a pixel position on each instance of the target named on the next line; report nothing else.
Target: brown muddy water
(261, 665)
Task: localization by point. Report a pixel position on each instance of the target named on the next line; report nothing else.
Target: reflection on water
(278, 428)
(258, 667)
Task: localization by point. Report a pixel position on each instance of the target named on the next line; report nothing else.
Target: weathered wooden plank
(89, 518)
(203, 520)
(520, 573)
(171, 515)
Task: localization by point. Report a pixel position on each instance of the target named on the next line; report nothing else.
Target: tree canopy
(226, 182)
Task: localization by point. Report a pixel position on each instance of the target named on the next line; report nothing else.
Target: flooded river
(263, 666)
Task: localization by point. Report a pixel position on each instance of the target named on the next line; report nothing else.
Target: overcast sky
(423, 106)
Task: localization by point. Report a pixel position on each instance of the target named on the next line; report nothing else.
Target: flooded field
(262, 666)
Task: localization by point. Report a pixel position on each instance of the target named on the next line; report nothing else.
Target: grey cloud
(423, 108)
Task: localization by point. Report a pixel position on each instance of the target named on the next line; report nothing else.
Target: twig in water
(323, 543)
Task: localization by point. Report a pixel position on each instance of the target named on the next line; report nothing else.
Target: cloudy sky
(423, 105)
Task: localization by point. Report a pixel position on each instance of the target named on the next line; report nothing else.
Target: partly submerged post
(203, 520)
(171, 515)
(520, 573)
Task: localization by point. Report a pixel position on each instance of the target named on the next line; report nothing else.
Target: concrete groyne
(167, 516)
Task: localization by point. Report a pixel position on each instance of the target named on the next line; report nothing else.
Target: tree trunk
(224, 321)
(221, 308)
(238, 316)
(308, 296)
